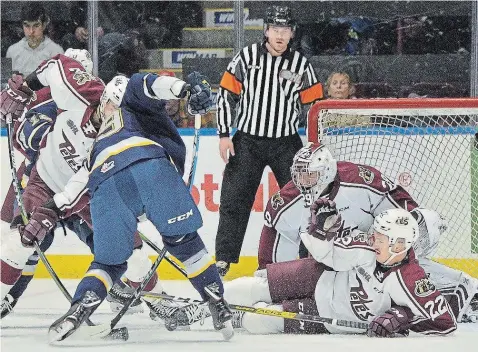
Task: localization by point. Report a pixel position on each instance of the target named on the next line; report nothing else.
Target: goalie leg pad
(294, 279)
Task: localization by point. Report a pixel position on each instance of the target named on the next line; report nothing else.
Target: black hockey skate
(71, 321)
(220, 311)
(175, 314)
(119, 294)
(7, 305)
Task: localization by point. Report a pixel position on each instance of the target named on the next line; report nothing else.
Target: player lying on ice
(360, 192)
(360, 277)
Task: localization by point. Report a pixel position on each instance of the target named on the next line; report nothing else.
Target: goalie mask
(313, 169)
(113, 93)
(400, 227)
(82, 56)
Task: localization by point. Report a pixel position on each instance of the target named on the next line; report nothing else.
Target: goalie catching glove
(42, 220)
(325, 221)
(199, 101)
(15, 97)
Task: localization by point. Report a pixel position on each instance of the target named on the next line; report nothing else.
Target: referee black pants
(240, 182)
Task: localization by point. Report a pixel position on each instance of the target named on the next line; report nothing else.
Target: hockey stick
(23, 213)
(162, 252)
(268, 312)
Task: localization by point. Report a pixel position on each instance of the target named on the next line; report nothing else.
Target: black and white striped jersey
(265, 93)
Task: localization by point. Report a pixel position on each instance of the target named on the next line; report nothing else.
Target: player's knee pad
(184, 247)
(262, 324)
(431, 226)
(247, 291)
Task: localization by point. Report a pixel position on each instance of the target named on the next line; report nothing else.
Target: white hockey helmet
(82, 56)
(313, 169)
(399, 226)
(114, 92)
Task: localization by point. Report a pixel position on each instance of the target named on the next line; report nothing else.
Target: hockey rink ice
(26, 330)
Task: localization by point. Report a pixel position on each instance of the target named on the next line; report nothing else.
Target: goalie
(361, 192)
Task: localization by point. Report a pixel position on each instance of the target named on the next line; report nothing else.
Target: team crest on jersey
(366, 175)
(424, 288)
(81, 77)
(291, 76)
(277, 201)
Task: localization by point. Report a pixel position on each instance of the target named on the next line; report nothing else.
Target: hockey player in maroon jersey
(361, 192)
(359, 277)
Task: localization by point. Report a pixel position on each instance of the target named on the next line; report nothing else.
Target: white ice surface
(26, 330)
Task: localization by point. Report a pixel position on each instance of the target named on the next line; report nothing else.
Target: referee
(264, 87)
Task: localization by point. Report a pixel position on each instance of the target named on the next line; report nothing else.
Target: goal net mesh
(428, 146)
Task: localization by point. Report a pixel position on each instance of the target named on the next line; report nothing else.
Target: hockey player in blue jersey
(135, 168)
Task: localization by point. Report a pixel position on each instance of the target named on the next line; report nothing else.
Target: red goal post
(428, 146)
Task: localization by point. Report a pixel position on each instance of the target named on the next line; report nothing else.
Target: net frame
(429, 142)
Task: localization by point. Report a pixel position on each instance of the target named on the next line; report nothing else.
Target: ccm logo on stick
(180, 217)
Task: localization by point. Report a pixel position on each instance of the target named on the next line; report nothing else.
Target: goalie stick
(117, 333)
(268, 312)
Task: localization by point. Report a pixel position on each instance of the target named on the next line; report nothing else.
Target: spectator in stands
(339, 86)
(35, 47)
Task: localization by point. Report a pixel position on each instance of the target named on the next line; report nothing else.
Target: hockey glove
(394, 323)
(42, 221)
(325, 221)
(199, 101)
(14, 98)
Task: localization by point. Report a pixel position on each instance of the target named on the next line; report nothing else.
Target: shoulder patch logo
(366, 175)
(81, 77)
(277, 201)
(107, 166)
(424, 287)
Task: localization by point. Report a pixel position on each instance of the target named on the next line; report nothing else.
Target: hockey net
(428, 146)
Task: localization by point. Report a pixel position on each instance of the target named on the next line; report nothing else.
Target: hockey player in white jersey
(361, 192)
(363, 278)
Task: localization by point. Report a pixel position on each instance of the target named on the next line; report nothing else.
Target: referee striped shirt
(265, 93)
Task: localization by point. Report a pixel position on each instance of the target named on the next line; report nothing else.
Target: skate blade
(60, 332)
(227, 331)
